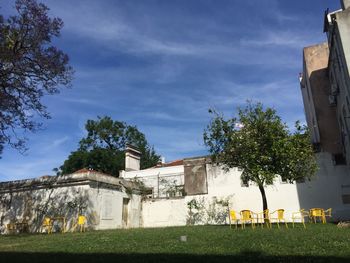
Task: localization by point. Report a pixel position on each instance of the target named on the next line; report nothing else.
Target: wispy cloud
(117, 33)
(287, 39)
(59, 141)
(81, 101)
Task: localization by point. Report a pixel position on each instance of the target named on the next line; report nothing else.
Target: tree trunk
(263, 195)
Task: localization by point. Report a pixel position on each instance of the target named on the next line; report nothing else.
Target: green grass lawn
(317, 243)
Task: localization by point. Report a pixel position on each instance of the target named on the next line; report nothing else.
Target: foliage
(103, 148)
(170, 188)
(30, 67)
(195, 211)
(201, 211)
(35, 204)
(79, 203)
(217, 211)
(258, 142)
(144, 190)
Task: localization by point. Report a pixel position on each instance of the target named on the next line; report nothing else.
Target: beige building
(325, 87)
(337, 27)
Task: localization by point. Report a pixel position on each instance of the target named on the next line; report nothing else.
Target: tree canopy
(30, 67)
(103, 148)
(257, 141)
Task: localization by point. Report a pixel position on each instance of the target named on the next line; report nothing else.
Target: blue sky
(160, 65)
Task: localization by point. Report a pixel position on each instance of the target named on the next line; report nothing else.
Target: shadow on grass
(247, 256)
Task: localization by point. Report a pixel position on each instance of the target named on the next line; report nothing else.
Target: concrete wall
(325, 190)
(33, 205)
(228, 185)
(164, 212)
(97, 196)
(108, 206)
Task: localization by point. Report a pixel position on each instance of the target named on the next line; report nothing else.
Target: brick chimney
(345, 4)
(132, 158)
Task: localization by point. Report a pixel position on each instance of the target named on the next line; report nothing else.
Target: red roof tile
(172, 163)
(84, 170)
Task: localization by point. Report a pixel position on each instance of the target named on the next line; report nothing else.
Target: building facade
(197, 191)
(325, 88)
(337, 28)
(106, 202)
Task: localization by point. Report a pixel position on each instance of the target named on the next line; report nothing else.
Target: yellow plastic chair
(11, 228)
(317, 213)
(47, 223)
(278, 216)
(300, 215)
(264, 218)
(247, 216)
(81, 223)
(233, 218)
(327, 213)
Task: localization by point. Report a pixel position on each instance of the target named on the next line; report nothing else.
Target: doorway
(125, 212)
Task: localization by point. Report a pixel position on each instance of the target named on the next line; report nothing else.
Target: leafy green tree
(103, 148)
(30, 67)
(258, 142)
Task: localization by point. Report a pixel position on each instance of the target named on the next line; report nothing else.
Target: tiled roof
(172, 163)
(84, 170)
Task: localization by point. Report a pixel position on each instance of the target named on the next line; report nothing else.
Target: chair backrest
(304, 213)
(280, 213)
(328, 212)
(246, 215)
(47, 221)
(266, 213)
(81, 220)
(316, 212)
(233, 215)
(11, 226)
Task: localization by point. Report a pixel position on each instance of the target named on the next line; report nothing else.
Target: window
(347, 103)
(345, 189)
(345, 117)
(342, 134)
(339, 159)
(177, 191)
(107, 207)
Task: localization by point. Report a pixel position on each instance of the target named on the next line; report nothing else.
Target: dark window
(346, 199)
(345, 120)
(339, 159)
(347, 103)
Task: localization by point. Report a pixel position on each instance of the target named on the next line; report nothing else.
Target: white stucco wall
(33, 205)
(164, 212)
(324, 190)
(100, 196)
(108, 208)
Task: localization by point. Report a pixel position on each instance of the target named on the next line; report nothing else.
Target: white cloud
(58, 142)
(291, 39)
